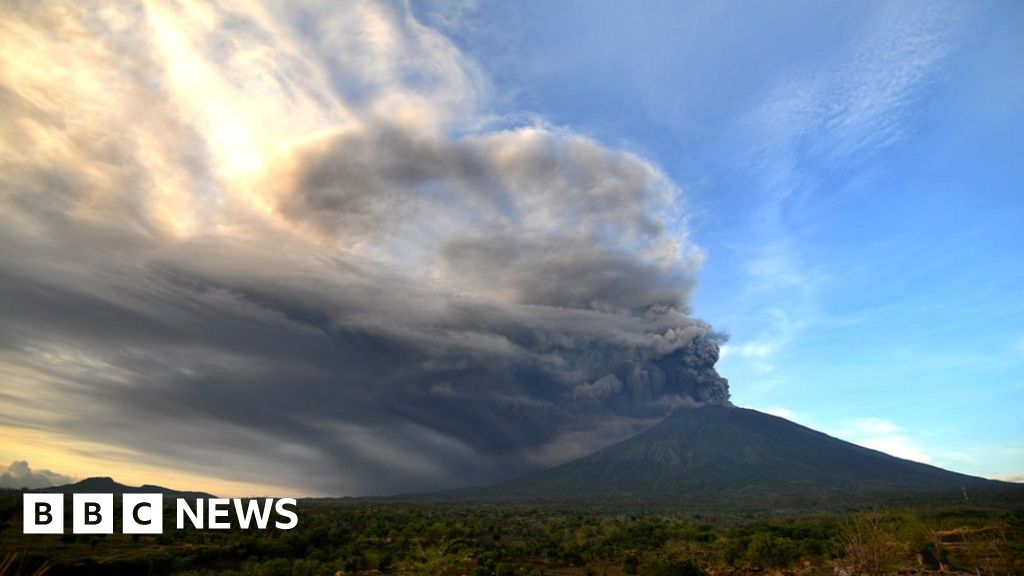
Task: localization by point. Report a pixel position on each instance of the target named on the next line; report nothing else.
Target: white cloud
(778, 411)
(897, 445)
(20, 475)
(753, 349)
(885, 436)
(873, 426)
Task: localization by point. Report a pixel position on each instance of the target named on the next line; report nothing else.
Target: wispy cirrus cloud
(813, 128)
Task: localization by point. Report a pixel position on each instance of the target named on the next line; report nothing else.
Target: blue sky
(852, 173)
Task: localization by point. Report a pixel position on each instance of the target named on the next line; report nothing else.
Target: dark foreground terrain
(380, 537)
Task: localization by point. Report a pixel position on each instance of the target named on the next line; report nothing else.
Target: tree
(870, 545)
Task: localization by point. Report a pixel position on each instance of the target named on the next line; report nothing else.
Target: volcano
(725, 457)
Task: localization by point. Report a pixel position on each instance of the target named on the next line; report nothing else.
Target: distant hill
(107, 485)
(723, 457)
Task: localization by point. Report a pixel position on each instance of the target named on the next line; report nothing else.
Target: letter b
(42, 514)
(93, 514)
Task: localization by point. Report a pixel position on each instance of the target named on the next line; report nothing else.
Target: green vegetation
(371, 537)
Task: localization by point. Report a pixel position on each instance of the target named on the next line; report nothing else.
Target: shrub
(770, 551)
(630, 563)
(678, 567)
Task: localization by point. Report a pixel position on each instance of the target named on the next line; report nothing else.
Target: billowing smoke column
(347, 301)
(690, 371)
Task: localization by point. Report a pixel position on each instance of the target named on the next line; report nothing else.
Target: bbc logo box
(43, 513)
(93, 513)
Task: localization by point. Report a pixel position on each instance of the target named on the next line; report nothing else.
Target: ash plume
(372, 306)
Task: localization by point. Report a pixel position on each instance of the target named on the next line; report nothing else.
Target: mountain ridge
(107, 485)
(717, 456)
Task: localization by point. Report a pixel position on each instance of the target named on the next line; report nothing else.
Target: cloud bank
(20, 475)
(254, 242)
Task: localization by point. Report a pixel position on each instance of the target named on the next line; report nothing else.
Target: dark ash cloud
(383, 307)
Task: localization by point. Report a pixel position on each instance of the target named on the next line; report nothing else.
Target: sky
(356, 248)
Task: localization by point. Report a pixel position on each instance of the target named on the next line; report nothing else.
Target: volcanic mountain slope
(722, 456)
(107, 485)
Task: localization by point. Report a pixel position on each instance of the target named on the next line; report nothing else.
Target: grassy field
(368, 537)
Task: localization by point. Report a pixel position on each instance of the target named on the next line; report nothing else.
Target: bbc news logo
(144, 513)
